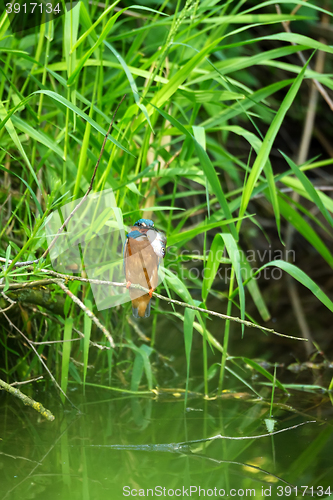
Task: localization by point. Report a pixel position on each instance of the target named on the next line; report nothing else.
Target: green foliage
(194, 83)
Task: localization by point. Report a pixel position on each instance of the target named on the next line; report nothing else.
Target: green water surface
(127, 447)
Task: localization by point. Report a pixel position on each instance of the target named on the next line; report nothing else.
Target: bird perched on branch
(143, 251)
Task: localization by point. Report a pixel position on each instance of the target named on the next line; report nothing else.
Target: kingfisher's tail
(141, 311)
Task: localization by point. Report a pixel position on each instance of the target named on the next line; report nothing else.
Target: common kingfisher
(143, 251)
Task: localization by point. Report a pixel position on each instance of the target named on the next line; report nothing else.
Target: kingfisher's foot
(151, 292)
(128, 284)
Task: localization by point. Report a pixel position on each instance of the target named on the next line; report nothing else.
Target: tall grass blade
(268, 141)
(86, 342)
(66, 350)
(303, 278)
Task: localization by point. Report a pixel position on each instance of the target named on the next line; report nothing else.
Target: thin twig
(241, 438)
(27, 381)
(184, 446)
(69, 277)
(12, 302)
(48, 342)
(15, 457)
(167, 299)
(294, 12)
(40, 359)
(224, 316)
(88, 313)
(7, 308)
(56, 320)
(28, 284)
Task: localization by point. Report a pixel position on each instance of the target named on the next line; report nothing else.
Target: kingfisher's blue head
(144, 223)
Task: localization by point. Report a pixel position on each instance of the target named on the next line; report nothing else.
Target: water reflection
(103, 453)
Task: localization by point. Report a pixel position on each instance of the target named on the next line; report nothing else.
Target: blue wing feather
(135, 234)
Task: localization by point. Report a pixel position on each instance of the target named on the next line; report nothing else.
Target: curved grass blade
(137, 371)
(260, 370)
(145, 353)
(188, 336)
(250, 101)
(39, 208)
(141, 362)
(132, 83)
(253, 288)
(303, 278)
(86, 343)
(215, 257)
(75, 109)
(242, 379)
(163, 95)
(105, 31)
(91, 27)
(92, 49)
(296, 185)
(66, 349)
(38, 135)
(288, 2)
(207, 167)
(192, 233)
(12, 132)
(269, 139)
(308, 186)
(303, 227)
(256, 143)
(233, 252)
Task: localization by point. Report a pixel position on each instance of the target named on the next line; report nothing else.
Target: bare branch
(40, 359)
(27, 400)
(87, 312)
